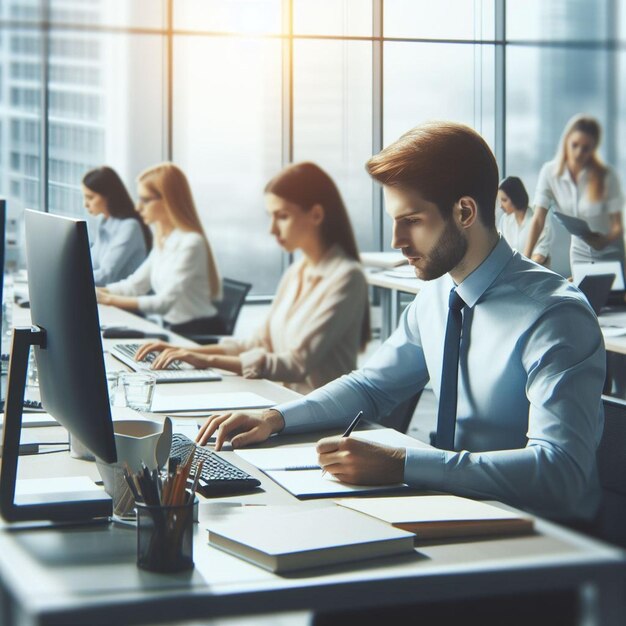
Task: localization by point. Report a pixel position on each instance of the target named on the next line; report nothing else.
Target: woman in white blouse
(179, 279)
(515, 223)
(579, 184)
(319, 319)
(122, 241)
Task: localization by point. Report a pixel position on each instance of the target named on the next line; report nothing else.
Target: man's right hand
(152, 346)
(241, 429)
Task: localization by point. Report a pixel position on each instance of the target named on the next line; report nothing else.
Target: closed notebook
(435, 517)
(284, 542)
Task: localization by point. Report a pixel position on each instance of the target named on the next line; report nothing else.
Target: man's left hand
(358, 462)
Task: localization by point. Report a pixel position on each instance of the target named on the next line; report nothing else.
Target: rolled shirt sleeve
(544, 195)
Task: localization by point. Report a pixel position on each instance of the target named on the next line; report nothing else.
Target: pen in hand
(348, 431)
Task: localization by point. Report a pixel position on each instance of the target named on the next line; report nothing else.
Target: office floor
(422, 423)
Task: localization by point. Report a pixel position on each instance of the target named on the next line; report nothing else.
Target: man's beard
(445, 255)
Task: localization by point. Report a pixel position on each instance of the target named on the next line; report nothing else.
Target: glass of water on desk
(139, 390)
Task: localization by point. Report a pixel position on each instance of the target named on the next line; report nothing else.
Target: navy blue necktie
(446, 418)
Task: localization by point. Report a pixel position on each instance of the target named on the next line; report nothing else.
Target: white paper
(208, 402)
(65, 484)
(33, 420)
(281, 458)
(305, 457)
(312, 483)
(383, 259)
(612, 331)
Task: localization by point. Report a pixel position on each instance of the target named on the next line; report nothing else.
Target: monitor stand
(65, 507)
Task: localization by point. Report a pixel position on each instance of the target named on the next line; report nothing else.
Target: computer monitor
(3, 220)
(72, 377)
(68, 348)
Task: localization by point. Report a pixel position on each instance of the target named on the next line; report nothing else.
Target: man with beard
(513, 352)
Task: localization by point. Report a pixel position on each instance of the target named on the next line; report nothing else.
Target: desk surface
(89, 575)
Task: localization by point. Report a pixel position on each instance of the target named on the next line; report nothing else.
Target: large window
(227, 137)
(233, 90)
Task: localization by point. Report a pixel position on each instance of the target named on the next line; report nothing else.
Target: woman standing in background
(180, 271)
(319, 319)
(122, 241)
(579, 184)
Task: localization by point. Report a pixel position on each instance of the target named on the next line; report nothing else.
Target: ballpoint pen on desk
(348, 431)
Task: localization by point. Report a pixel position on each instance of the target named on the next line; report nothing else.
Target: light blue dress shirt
(532, 367)
(118, 249)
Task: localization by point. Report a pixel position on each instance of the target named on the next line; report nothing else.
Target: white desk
(88, 575)
(614, 319)
(391, 288)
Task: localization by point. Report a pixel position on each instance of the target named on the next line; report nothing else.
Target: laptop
(596, 288)
(177, 372)
(580, 270)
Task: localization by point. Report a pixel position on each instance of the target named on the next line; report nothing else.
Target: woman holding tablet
(180, 270)
(577, 183)
(122, 241)
(319, 318)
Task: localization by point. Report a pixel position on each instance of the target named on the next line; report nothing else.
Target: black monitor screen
(63, 303)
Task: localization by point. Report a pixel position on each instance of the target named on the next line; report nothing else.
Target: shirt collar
(475, 285)
(324, 266)
(107, 223)
(172, 239)
(566, 175)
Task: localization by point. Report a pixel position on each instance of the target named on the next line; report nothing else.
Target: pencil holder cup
(165, 537)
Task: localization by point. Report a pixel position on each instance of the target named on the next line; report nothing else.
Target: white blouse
(571, 198)
(312, 334)
(516, 234)
(178, 274)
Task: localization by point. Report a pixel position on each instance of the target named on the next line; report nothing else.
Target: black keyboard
(218, 476)
(176, 372)
(28, 405)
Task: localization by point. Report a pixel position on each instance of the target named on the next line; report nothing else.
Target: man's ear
(466, 211)
(316, 213)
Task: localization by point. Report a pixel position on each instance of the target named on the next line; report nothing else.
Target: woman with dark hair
(576, 182)
(122, 241)
(320, 316)
(515, 222)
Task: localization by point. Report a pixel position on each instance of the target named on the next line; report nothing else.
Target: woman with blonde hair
(180, 270)
(319, 319)
(577, 183)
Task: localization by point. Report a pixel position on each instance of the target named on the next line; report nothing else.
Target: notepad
(305, 457)
(435, 517)
(285, 539)
(222, 401)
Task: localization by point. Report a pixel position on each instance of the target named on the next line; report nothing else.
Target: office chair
(610, 524)
(400, 416)
(209, 330)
